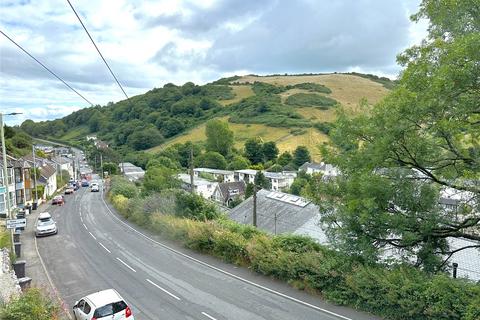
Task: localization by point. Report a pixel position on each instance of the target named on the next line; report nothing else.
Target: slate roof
(226, 187)
(312, 165)
(213, 171)
(290, 216)
(47, 171)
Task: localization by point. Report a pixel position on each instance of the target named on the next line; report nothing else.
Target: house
(227, 192)
(279, 212)
(91, 138)
(7, 187)
(131, 171)
(246, 175)
(202, 187)
(280, 180)
(327, 170)
(48, 178)
(23, 183)
(62, 163)
(216, 174)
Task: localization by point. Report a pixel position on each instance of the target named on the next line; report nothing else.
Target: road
(95, 250)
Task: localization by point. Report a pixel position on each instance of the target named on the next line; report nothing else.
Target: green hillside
(290, 110)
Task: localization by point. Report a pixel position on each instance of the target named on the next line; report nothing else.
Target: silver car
(45, 225)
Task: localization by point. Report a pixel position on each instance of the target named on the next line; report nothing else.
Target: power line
(98, 50)
(46, 68)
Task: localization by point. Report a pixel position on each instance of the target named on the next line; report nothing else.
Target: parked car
(45, 225)
(58, 200)
(106, 304)
(95, 187)
(69, 190)
(85, 183)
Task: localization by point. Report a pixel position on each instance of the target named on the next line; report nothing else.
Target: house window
(19, 195)
(28, 194)
(10, 176)
(2, 202)
(18, 175)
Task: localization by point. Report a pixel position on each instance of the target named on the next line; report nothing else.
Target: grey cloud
(202, 20)
(307, 36)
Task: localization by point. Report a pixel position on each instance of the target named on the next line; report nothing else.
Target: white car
(45, 225)
(95, 187)
(106, 304)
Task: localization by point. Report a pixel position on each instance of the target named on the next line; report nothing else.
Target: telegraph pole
(192, 186)
(254, 204)
(35, 173)
(101, 165)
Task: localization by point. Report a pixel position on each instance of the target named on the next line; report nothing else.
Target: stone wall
(9, 286)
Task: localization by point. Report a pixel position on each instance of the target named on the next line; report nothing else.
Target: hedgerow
(397, 292)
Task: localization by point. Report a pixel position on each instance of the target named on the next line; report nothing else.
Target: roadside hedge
(31, 305)
(399, 292)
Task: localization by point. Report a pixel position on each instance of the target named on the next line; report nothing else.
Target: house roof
(290, 213)
(61, 160)
(185, 178)
(47, 171)
(247, 171)
(312, 165)
(226, 187)
(213, 171)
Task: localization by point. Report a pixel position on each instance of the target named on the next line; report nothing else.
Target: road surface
(95, 249)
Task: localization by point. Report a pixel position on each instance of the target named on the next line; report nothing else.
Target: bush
(121, 186)
(195, 207)
(314, 87)
(31, 305)
(310, 99)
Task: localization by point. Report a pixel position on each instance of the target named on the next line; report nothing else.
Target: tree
(285, 158)
(158, 178)
(143, 139)
(301, 155)
(219, 137)
(270, 151)
(253, 150)
(397, 158)
(238, 163)
(110, 167)
(261, 181)
(212, 160)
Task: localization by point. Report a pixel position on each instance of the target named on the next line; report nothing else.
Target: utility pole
(275, 219)
(101, 165)
(254, 204)
(191, 171)
(35, 174)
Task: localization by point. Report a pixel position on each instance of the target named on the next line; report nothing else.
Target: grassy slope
(347, 89)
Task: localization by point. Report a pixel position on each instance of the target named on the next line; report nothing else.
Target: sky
(151, 43)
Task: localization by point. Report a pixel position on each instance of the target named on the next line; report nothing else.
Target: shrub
(230, 246)
(316, 87)
(31, 305)
(194, 207)
(124, 187)
(310, 99)
(295, 243)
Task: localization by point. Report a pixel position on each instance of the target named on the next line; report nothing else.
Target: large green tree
(253, 150)
(219, 137)
(301, 155)
(398, 158)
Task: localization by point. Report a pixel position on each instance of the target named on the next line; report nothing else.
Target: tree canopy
(399, 158)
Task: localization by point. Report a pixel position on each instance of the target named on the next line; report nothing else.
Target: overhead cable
(98, 50)
(46, 68)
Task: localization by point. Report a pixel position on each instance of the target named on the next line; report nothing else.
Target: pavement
(96, 249)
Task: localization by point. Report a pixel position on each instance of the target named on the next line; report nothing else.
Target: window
(105, 311)
(87, 308)
(19, 194)
(2, 202)
(10, 175)
(18, 175)
(28, 194)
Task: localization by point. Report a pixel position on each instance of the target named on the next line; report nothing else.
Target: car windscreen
(110, 309)
(45, 222)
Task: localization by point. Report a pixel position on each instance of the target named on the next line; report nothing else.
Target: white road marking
(208, 316)
(126, 265)
(81, 219)
(93, 236)
(164, 290)
(85, 226)
(105, 247)
(304, 303)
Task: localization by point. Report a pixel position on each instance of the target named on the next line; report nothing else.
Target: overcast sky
(150, 43)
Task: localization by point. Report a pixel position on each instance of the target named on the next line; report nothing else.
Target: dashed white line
(105, 247)
(126, 265)
(92, 235)
(208, 316)
(85, 226)
(166, 291)
(81, 219)
(304, 303)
